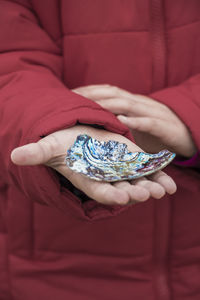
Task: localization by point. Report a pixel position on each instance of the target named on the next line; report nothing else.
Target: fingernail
(122, 118)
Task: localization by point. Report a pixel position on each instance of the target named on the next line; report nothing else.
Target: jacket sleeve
(193, 162)
(184, 100)
(34, 102)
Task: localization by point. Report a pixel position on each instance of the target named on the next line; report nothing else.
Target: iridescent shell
(111, 161)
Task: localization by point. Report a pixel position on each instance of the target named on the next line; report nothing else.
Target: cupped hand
(154, 125)
(51, 151)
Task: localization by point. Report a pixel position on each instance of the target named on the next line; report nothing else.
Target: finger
(155, 189)
(165, 180)
(104, 91)
(35, 153)
(136, 193)
(95, 92)
(129, 107)
(157, 127)
(91, 87)
(101, 192)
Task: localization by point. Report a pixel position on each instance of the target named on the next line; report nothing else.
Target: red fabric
(193, 161)
(147, 251)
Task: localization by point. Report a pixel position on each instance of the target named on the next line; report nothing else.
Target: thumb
(32, 154)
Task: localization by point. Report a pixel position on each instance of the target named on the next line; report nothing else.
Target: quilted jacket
(54, 245)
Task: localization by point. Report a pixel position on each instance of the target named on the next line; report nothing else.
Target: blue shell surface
(111, 161)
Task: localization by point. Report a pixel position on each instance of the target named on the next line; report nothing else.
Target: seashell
(111, 161)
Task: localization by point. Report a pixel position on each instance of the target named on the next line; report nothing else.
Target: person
(121, 70)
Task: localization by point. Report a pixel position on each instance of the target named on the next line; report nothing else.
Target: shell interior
(111, 161)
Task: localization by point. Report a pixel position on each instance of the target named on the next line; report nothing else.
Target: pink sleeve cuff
(193, 162)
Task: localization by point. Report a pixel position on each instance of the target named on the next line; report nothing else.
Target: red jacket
(70, 249)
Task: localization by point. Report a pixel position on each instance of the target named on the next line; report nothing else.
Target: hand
(153, 124)
(51, 151)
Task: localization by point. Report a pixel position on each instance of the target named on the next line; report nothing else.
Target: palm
(51, 151)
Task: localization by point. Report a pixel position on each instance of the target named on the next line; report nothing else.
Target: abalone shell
(111, 161)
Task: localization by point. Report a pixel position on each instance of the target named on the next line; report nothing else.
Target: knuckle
(164, 108)
(152, 122)
(42, 152)
(115, 90)
(104, 195)
(50, 144)
(128, 105)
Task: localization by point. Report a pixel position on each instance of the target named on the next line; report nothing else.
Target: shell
(111, 161)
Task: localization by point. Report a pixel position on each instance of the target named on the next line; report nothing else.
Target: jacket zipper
(162, 209)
